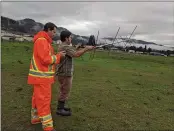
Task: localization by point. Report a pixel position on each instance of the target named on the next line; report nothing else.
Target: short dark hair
(64, 34)
(50, 26)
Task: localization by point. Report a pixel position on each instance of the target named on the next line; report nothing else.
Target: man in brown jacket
(65, 71)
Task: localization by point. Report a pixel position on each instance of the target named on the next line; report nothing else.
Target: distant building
(131, 51)
(21, 39)
(139, 52)
(114, 48)
(5, 37)
(157, 54)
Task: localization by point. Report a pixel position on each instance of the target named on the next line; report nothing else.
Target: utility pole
(114, 40)
(132, 33)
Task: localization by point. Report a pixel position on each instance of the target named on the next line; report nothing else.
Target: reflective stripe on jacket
(42, 66)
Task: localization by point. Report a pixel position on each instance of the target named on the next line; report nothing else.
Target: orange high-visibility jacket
(42, 66)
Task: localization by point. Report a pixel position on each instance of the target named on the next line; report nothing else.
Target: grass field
(117, 92)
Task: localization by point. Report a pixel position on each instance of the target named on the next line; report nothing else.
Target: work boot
(67, 109)
(35, 120)
(61, 104)
(61, 110)
(34, 117)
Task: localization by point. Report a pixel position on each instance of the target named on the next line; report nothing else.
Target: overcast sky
(154, 20)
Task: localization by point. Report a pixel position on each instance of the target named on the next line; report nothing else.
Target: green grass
(117, 92)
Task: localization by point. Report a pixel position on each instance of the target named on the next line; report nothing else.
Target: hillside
(30, 27)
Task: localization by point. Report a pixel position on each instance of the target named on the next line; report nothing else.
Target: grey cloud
(49, 9)
(151, 18)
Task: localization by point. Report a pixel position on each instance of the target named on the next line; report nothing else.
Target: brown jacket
(66, 66)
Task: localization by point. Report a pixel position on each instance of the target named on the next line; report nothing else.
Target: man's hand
(89, 47)
(62, 53)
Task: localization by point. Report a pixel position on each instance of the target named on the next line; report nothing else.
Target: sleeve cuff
(57, 59)
(53, 59)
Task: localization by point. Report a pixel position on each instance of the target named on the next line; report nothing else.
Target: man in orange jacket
(41, 76)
